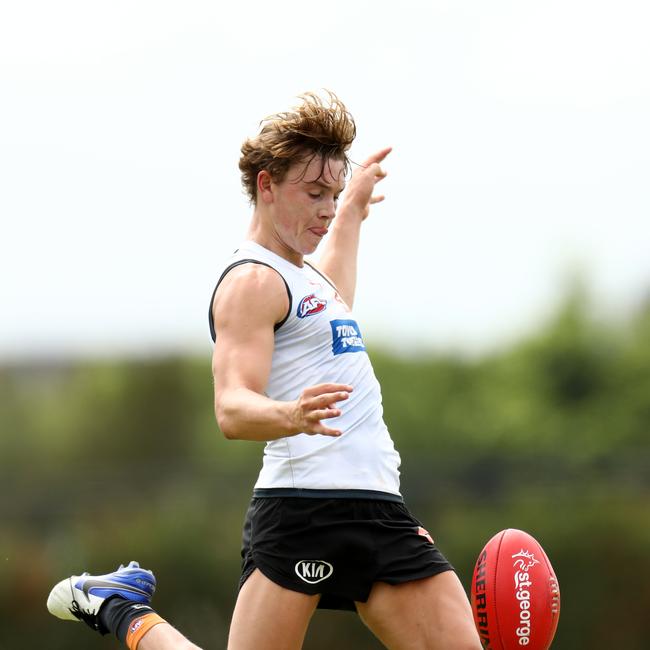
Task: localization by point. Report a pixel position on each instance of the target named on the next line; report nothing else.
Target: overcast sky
(521, 135)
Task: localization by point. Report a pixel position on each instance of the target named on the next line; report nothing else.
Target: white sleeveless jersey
(321, 342)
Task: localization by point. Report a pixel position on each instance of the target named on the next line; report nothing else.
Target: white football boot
(79, 598)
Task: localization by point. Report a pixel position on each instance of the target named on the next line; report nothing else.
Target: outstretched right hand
(318, 403)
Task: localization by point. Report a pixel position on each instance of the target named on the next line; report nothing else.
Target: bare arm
(339, 258)
(250, 300)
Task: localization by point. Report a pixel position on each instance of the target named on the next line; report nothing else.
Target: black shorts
(336, 547)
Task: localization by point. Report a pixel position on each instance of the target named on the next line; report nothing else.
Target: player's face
(304, 203)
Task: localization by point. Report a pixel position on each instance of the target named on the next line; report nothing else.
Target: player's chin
(310, 246)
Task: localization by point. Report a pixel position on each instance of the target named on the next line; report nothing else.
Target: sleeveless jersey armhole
(278, 325)
(322, 275)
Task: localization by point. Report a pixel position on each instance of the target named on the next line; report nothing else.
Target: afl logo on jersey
(310, 305)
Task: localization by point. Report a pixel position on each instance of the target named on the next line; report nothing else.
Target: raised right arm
(248, 303)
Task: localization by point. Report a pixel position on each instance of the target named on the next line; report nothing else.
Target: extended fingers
(331, 398)
(378, 156)
(326, 431)
(323, 389)
(324, 406)
(314, 419)
(376, 170)
(319, 403)
(318, 425)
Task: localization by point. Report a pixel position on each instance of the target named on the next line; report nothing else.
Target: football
(515, 595)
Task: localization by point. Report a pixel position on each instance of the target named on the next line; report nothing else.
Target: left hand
(359, 193)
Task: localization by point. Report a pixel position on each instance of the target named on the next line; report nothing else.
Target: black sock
(116, 614)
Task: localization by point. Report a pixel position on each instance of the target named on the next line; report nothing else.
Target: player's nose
(328, 210)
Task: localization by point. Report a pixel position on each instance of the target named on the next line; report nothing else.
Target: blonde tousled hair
(317, 127)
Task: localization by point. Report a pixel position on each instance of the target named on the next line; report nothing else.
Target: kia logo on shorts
(313, 571)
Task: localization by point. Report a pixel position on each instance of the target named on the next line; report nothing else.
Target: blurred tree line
(106, 461)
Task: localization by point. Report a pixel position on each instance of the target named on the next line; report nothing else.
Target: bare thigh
(269, 616)
(428, 614)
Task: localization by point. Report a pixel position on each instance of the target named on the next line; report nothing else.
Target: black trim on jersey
(277, 326)
(376, 495)
(322, 275)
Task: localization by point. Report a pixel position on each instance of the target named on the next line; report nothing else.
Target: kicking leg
(117, 602)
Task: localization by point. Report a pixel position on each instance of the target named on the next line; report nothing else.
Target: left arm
(339, 258)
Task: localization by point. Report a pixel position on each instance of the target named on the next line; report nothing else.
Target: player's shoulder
(252, 275)
(251, 283)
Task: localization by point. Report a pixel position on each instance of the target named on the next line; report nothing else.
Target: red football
(515, 594)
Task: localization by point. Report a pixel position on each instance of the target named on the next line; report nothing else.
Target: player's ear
(264, 189)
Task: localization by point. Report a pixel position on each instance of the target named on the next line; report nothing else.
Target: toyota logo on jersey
(310, 305)
(346, 337)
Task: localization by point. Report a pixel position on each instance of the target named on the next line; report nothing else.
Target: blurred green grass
(104, 461)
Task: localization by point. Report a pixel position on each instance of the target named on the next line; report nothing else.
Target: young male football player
(327, 526)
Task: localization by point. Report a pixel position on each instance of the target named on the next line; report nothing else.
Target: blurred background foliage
(104, 461)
